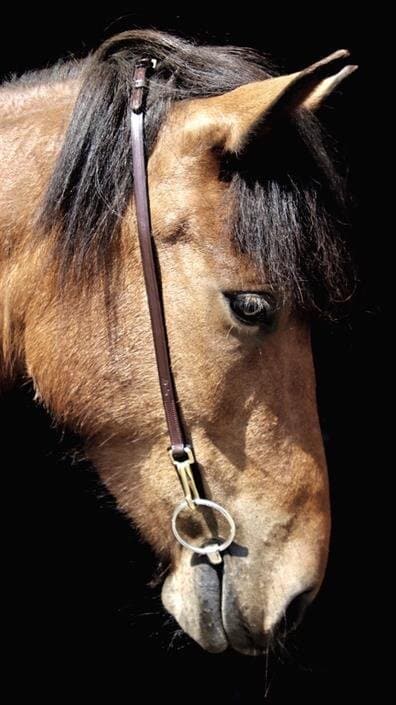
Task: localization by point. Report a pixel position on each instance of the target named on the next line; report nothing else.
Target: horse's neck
(32, 124)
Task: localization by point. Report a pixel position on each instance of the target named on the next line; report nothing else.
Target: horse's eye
(253, 308)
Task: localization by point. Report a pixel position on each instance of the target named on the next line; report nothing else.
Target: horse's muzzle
(211, 606)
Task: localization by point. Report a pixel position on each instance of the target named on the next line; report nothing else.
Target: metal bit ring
(213, 547)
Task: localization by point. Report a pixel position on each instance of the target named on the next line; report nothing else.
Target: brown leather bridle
(180, 452)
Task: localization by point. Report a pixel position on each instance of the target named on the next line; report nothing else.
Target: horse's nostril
(296, 608)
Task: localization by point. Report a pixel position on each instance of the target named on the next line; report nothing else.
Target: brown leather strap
(181, 454)
(146, 242)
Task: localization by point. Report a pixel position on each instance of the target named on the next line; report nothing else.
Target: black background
(79, 621)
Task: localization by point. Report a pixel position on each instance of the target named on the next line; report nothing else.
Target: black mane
(283, 214)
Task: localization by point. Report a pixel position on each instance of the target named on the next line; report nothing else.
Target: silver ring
(213, 547)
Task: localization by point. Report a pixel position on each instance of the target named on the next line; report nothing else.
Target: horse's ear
(229, 120)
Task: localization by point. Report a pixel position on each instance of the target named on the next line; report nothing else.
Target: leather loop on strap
(146, 243)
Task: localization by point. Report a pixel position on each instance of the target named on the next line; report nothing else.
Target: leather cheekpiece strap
(181, 454)
(146, 243)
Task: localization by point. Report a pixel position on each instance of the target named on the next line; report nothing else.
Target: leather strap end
(140, 83)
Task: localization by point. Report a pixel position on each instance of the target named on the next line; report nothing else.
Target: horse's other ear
(230, 120)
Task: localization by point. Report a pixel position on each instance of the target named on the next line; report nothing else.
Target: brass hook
(186, 477)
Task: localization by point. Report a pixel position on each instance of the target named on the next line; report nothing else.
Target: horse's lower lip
(212, 618)
(207, 589)
(221, 614)
(195, 603)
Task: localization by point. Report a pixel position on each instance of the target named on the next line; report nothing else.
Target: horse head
(242, 197)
